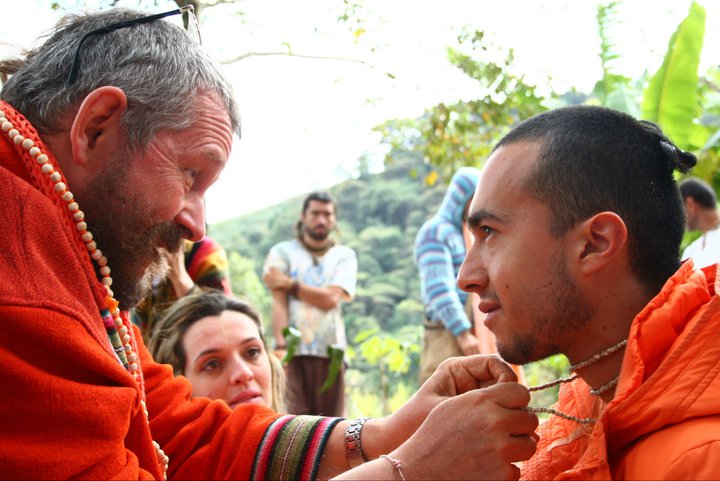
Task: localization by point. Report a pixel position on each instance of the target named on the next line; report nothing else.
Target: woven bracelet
(395, 463)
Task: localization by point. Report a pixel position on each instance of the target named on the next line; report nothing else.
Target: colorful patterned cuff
(292, 447)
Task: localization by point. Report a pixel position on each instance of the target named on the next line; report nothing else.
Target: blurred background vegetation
(380, 213)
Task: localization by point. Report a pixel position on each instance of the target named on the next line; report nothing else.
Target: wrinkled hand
(474, 435)
(276, 280)
(468, 343)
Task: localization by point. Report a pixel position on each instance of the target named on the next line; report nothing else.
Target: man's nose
(472, 276)
(192, 217)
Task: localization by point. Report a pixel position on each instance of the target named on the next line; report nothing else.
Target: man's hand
(468, 343)
(475, 435)
(465, 422)
(453, 376)
(276, 280)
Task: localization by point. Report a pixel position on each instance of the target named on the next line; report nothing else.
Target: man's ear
(96, 130)
(600, 240)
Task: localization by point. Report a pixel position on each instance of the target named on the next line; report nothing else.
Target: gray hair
(158, 66)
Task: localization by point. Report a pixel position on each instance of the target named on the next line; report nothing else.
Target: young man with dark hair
(309, 277)
(577, 222)
(701, 214)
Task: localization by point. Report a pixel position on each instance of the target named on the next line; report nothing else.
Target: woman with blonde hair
(217, 342)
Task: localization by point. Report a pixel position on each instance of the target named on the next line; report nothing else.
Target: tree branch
(312, 57)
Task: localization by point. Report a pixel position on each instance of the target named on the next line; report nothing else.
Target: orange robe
(664, 422)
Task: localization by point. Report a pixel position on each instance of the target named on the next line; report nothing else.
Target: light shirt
(705, 250)
(319, 328)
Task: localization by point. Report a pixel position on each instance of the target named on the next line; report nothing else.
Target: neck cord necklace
(573, 369)
(315, 252)
(118, 329)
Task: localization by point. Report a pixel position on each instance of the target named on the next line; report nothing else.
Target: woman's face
(226, 359)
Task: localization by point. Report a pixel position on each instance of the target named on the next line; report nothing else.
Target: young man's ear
(600, 239)
(97, 128)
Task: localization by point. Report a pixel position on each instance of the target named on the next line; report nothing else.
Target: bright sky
(307, 121)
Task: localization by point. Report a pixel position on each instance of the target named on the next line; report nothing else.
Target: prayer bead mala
(119, 331)
(576, 367)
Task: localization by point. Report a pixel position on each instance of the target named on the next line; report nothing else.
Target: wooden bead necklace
(118, 329)
(576, 367)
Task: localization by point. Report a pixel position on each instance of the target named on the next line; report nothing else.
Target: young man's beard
(118, 218)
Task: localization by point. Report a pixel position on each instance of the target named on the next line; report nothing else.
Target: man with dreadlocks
(309, 277)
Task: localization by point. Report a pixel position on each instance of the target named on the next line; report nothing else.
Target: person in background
(439, 252)
(700, 202)
(201, 264)
(217, 342)
(111, 132)
(577, 222)
(310, 276)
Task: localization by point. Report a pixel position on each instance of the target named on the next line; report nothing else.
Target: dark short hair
(700, 191)
(319, 196)
(595, 159)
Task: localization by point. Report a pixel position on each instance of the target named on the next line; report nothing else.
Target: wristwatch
(353, 448)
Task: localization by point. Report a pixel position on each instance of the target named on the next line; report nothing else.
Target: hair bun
(682, 160)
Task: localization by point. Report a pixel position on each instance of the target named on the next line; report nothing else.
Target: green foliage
(449, 136)
(611, 88)
(246, 283)
(547, 370)
(387, 356)
(292, 338)
(671, 99)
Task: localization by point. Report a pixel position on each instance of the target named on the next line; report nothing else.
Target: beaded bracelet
(395, 463)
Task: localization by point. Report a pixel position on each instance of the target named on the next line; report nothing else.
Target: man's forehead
(318, 205)
(503, 178)
(507, 168)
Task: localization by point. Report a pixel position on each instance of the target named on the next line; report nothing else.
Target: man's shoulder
(679, 450)
(343, 249)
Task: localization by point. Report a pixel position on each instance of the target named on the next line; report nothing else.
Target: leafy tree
(247, 285)
(449, 136)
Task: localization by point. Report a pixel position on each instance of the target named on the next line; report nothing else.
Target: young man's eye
(483, 232)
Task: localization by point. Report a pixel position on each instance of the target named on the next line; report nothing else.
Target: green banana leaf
(671, 98)
(336, 355)
(292, 341)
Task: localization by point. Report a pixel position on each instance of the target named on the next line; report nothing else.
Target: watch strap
(353, 447)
